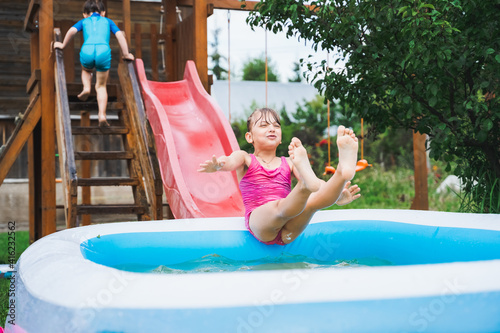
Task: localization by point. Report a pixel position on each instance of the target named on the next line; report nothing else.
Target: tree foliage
(255, 70)
(297, 73)
(432, 66)
(219, 71)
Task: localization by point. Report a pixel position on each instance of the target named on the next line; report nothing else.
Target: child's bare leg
(86, 81)
(329, 191)
(102, 96)
(298, 155)
(267, 220)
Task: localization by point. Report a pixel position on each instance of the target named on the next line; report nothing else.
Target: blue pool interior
(382, 242)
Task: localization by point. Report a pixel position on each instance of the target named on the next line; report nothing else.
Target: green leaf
(497, 57)
(407, 99)
(434, 89)
(487, 125)
(481, 136)
(490, 51)
(433, 101)
(402, 9)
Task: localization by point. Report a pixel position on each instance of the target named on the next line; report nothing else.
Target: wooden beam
(200, 10)
(48, 163)
(35, 52)
(138, 41)
(170, 18)
(34, 158)
(126, 20)
(69, 52)
(154, 52)
(33, 7)
(85, 145)
(35, 175)
(34, 80)
(421, 200)
(223, 4)
(19, 137)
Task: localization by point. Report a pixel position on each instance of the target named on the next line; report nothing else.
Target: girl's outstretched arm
(232, 162)
(69, 35)
(122, 41)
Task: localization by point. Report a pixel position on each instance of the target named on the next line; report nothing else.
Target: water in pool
(216, 263)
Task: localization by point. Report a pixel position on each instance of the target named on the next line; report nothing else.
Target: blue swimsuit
(95, 52)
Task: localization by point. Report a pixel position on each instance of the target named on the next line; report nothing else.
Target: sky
(246, 44)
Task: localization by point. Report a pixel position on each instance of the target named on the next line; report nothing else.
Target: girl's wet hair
(266, 114)
(93, 6)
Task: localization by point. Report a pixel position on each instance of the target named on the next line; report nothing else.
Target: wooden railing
(145, 142)
(64, 139)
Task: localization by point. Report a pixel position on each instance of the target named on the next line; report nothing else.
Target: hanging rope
(328, 169)
(362, 137)
(266, 62)
(229, 65)
(328, 113)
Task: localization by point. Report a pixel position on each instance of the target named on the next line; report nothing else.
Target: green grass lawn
(22, 242)
(395, 189)
(380, 189)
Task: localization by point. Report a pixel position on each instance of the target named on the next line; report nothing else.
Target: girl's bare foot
(347, 142)
(103, 123)
(298, 155)
(84, 95)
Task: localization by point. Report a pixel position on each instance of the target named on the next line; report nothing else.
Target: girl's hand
(58, 45)
(212, 165)
(349, 194)
(129, 56)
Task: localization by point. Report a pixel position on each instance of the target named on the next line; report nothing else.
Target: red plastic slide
(189, 128)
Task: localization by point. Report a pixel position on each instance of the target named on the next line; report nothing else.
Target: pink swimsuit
(260, 186)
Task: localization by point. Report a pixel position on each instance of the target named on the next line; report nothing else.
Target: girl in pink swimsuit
(274, 212)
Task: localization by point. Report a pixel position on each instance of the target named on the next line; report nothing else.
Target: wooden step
(74, 89)
(110, 209)
(108, 181)
(92, 106)
(103, 155)
(83, 130)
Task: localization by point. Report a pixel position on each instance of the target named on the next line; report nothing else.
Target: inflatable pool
(444, 277)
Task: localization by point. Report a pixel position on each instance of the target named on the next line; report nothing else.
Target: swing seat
(362, 164)
(329, 170)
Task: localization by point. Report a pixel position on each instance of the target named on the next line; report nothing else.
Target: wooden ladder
(88, 130)
(143, 176)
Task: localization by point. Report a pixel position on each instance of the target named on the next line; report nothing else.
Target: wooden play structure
(58, 128)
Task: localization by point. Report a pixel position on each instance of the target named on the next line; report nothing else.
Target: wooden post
(126, 19)
(35, 221)
(86, 145)
(170, 19)
(154, 52)
(48, 151)
(200, 14)
(138, 41)
(35, 175)
(69, 52)
(421, 200)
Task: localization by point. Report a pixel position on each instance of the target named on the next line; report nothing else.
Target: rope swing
(362, 163)
(229, 65)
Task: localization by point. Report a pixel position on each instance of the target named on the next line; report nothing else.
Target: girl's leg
(102, 96)
(329, 191)
(86, 81)
(267, 220)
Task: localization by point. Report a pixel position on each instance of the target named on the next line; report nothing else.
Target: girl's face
(265, 132)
